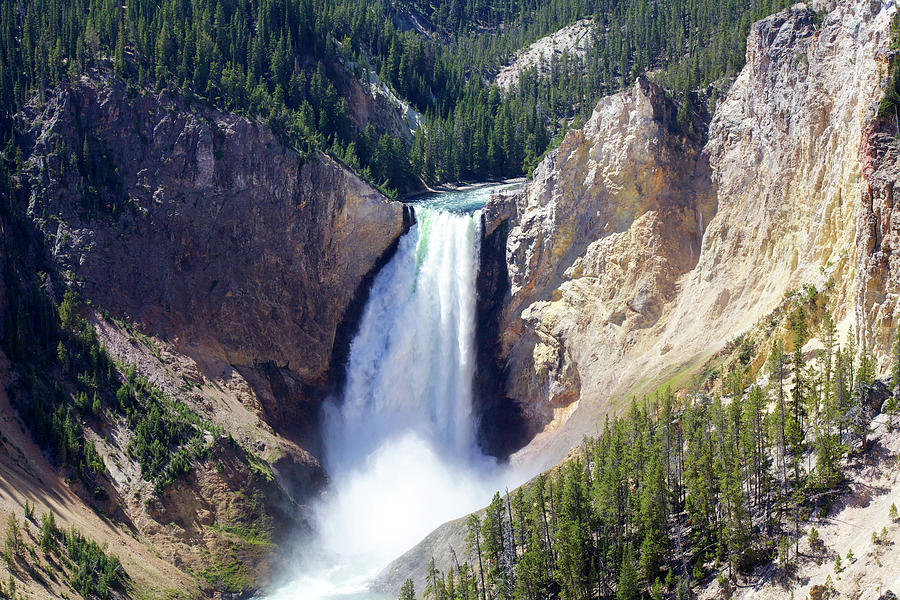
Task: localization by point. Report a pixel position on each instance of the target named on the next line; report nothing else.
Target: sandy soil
(573, 39)
(217, 392)
(156, 553)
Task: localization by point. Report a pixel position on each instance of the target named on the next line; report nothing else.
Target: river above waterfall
(399, 442)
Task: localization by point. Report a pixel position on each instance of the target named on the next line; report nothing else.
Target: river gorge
(400, 441)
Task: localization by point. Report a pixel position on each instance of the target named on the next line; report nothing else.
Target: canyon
(233, 271)
(639, 250)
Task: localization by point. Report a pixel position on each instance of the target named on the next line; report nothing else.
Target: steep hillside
(569, 42)
(639, 254)
(30, 478)
(859, 528)
(178, 292)
(772, 201)
(601, 234)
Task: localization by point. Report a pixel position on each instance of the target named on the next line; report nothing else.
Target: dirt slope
(27, 475)
(848, 527)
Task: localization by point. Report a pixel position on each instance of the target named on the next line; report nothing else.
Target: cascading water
(411, 363)
(400, 444)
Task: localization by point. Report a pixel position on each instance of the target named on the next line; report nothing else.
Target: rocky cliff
(217, 267)
(878, 234)
(371, 101)
(636, 252)
(598, 240)
(211, 234)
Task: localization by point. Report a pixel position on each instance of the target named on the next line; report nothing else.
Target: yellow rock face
(636, 250)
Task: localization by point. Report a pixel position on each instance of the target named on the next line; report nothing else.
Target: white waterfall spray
(400, 445)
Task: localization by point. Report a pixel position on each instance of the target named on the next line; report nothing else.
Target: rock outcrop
(371, 101)
(572, 40)
(599, 238)
(227, 270)
(878, 235)
(218, 237)
(635, 253)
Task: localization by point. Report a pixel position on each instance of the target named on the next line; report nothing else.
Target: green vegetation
(288, 64)
(673, 493)
(248, 535)
(227, 572)
(247, 520)
(891, 100)
(93, 572)
(408, 590)
(245, 536)
(76, 383)
(50, 409)
(166, 433)
(13, 546)
(85, 565)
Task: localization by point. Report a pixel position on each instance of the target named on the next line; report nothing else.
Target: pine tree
(653, 512)
(473, 542)
(628, 587)
(572, 534)
(407, 591)
(780, 417)
(827, 439)
(434, 589)
(737, 535)
(892, 406)
(13, 538)
(754, 445)
(494, 540)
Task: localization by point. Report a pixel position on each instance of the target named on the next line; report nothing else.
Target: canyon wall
(637, 251)
(229, 271)
(878, 235)
(212, 234)
(597, 242)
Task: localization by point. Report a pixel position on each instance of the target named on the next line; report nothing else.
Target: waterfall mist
(400, 442)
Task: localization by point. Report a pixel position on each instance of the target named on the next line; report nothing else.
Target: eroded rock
(637, 251)
(223, 239)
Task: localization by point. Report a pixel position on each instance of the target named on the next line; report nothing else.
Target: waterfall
(399, 444)
(411, 363)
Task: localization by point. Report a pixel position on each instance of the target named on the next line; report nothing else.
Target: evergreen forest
(286, 63)
(679, 491)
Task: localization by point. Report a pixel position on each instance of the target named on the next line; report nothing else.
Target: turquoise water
(462, 201)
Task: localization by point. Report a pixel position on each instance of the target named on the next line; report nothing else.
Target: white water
(400, 445)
